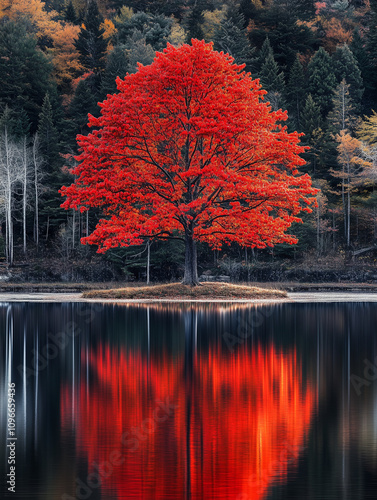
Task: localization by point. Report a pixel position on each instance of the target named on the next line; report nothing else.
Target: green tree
(139, 51)
(194, 21)
(155, 29)
(286, 35)
(315, 137)
(347, 68)
(231, 37)
(296, 92)
(84, 102)
(48, 135)
(265, 51)
(70, 13)
(117, 65)
(90, 42)
(322, 80)
(24, 72)
(310, 118)
(362, 57)
(273, 81)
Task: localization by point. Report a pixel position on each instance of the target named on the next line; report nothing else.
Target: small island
(205, 291)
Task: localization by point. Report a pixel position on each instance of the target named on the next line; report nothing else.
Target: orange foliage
(34, 10)
(337, 32)
(237, 422)
(62, 35)
(109, 29)
(65, 54)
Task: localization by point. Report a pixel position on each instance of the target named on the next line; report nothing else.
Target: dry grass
(209, 290)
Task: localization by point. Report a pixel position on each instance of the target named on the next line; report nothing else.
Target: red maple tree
(188, 149)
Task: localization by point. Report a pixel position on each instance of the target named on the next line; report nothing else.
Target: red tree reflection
(224, 427)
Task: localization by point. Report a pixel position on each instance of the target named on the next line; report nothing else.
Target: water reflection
(223, 428)
(176, 401)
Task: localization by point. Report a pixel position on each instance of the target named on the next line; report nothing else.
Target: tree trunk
(24, 192)
(148, 259)
(191, 267)
(36, 189)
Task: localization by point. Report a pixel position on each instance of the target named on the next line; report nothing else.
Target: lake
(185, 401)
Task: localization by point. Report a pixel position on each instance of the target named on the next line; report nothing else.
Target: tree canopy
(188, 147)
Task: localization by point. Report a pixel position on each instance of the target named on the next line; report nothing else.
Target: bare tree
(26, 181)
(10, 176)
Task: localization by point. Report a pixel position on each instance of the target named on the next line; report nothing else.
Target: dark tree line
(317, 60)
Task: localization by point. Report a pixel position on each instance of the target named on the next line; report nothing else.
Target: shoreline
(292, 297)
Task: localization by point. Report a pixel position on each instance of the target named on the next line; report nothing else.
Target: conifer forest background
(59, 58)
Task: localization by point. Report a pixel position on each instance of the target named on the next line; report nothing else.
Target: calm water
(190, 402)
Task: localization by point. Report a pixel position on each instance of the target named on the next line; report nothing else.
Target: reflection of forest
(107, 378)
(240, 421)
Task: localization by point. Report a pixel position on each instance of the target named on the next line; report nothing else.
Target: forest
(59, 59)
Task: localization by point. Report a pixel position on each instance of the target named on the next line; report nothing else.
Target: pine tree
(296, 91)
(271, 78)
(84, 102)
(287, 36)
(249, 11)
(322, 81)
(346, 67)
(48, 135)
(117, 65)
(273, 81)
(343, 115)
(231, 37)
(265, 51)
(16, 121)
(70, 13)
(139, 51)
(194, 23)
(310, 118)
(312, 126)
(90, 43)
(156, 29)
(24, 72)
(362, 57)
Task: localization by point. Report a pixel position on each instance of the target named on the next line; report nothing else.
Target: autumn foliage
(238, 425)
(188, 146)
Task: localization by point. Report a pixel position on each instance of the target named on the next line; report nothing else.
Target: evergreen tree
(90, 42)
(117, 65)
(84, 102)
(249, 11)
(303, 9)
(139, 51)
(194, 22)
(48, 135)
(273, 81)
(231, 37)
(70, 13)
(16, 121)
(155, 29)
(50, 214)
(363, 61)
(24, 72)
(310, 118)
(271, 78)
(296, 91)
(346, 67)
(287, 37)
(315, 137)
(322, 81)
(264, 53)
